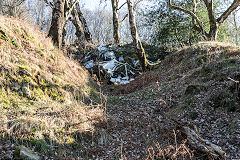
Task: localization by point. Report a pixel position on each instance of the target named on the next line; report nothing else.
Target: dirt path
(137, 124)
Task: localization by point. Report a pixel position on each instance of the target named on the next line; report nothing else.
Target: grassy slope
(194, 84)
(45, 98)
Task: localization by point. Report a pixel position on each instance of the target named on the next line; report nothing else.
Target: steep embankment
(196, 86)
(45, 98)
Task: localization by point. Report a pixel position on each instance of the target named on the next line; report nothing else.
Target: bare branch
(49, 3)
(122, 6)
(136, 4)
(224, 16)
(201, 31)
(18, 3)
(124, 18)
(126, 15)
(189, 13)
(70, 10)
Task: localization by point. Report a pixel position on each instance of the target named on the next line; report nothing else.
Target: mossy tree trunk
(116, 35)
(87, 33)
(61, 10)
(77, 23)
(58, 22)
(136, 43)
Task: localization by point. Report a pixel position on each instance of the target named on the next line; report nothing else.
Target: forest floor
(194, 87)
(51, 105)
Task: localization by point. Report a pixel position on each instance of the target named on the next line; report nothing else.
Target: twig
(233, 80)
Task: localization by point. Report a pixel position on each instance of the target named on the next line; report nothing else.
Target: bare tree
(100, 25)
(1, 6)
(78, 15)
(115, 18)
(61, 10)
(136, 41)
(236, 27)
(14, 8)
(213, 21)
(115, 9)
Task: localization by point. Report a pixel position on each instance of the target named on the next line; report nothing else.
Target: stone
(22, 152)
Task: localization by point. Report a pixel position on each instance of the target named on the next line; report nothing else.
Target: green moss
(193, 115)
(14, 43)
(53, 57)
(40, 145)
(194, 89)
(224, 99)
(26, 35)
(112, 89)
(3, 35)
(22, 61)
(41, 52)
(201, 60)
(22, 67)
(56, 80)
(56, 96)
(16, 153)
(38, 93)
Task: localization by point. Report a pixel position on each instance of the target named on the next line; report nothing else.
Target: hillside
(47, 101)
(196, 86)
(50, 104)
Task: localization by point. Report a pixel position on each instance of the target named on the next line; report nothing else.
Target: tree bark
(87, 33)
(76, 22)
(236, 27)
(1, 6)
(116, 35)
(133, 28)
(61, 10)
(58, 22)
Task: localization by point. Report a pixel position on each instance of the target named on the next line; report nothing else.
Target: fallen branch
(213, 151)
(197, 142)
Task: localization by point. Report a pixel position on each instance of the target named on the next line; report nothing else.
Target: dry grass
(46, 99)
(174, 152)
(39, 52)
(181, 62)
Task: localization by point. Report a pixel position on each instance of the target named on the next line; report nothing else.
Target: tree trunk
(134, 34)
(116, 35)
(58, 22)
(76, 22)
(214, 23)
(64, 34)
(235, 27)
(86, 31)
(1, 6)
(212, 36)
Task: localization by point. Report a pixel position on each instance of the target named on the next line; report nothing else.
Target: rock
(22, 152)
(104, 138)
(26, 91)
(15, 87)
(112, 63)
(120, 59)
